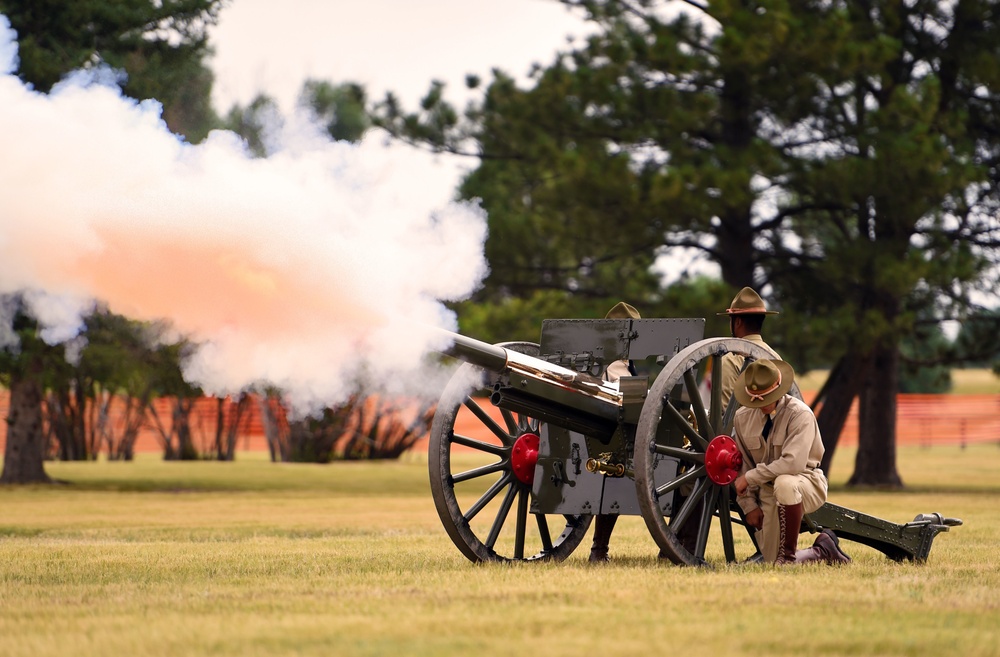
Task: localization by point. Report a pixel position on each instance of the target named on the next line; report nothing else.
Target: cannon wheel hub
(524, 456)
(723, 460)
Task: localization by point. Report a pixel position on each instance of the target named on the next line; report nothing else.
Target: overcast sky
(397, 45)
(386, 45)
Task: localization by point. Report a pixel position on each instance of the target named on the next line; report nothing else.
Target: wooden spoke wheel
(482, 488)
(695, 435)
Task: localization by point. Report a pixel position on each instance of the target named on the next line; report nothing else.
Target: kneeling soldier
(780, 479)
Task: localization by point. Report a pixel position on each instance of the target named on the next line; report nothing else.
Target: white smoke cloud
(301, 269)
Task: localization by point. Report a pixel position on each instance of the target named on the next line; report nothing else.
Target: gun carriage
(566, 445)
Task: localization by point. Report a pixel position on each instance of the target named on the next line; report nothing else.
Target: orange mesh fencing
(924, 420)
(947, 419)
(203, 422)
(928, 420)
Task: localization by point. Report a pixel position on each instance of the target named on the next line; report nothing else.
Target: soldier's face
(767, 410)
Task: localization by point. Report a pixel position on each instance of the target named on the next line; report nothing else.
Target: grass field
(253, 558)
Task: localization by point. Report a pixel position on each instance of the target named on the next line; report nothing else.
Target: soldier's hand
(755, 518)
(741, 485)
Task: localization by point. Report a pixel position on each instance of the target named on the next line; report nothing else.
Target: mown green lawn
(254, 558)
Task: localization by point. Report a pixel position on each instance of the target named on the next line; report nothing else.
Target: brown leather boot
(789, 523)
(604, 524)
(826, 548)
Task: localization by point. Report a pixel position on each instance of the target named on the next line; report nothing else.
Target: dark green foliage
(23, 352)
(922, 354)
(978, 340)
(655, 134)
(27, 365)
(339, 108)
(255, 122)
(115, 360)
(383, 428)
(128, 363)
(312, 440)
(519, 318)
(160, 46)
(700, 296)
(365, 427)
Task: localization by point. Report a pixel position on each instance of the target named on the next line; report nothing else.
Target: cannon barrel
(541, 389)
(475, 351)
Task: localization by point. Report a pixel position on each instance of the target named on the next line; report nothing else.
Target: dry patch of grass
(252, 558)
(963, 381)
(975, 382)
(811, 381)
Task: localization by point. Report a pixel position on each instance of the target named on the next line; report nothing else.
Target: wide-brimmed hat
(622, 310)
(747, 302)
(764, 382)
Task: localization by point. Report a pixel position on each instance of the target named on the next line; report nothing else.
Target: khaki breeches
(809, 488)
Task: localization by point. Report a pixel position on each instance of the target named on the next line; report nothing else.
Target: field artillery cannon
(568, 445)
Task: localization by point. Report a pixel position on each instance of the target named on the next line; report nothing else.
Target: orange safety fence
(203, 423)
(928, 420)
(924, 420)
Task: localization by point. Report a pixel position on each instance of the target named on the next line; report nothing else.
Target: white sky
(385, 45)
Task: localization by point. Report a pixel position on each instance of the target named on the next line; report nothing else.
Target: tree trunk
(275, 431)
(875, 464)
(834, 401)
(64, 410)
(220, 427)
(24, 453)
(235, 419)
(228, 417)
(735, 231)
(134, 418)
(91, 425)
(166, 436)
(182, 428)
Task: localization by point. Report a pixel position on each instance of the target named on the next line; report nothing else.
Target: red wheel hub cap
(723, 460)
(524, 456)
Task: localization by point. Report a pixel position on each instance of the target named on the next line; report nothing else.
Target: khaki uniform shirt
(794, 446)
(617, 370)
(731, 364)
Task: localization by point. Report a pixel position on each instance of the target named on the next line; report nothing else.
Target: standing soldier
(746, 319)
(604, 523)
